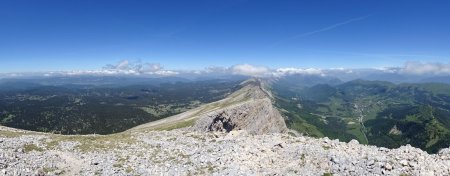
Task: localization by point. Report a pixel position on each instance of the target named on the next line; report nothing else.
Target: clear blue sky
(44, 35)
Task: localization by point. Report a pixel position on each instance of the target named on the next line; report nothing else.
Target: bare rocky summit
(256, 114)
(180, 152)
(256, 117)
(240, 135)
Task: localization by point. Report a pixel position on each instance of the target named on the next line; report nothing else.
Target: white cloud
(165, 73)
(389, 69)
(15, 75)
(123, 67)
(215, 69)
(425, 68)
(307, 71)
(136, 68)
(250, 70)
(240, 69)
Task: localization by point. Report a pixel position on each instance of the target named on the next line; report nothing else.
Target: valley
(369, 111)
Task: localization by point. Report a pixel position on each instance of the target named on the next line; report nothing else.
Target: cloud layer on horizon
(138, 68)
(420, 68)
(125, 67)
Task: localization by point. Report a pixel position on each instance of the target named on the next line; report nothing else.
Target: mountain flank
(250, 108)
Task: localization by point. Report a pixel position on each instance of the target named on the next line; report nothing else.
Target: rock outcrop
(256, 114)
(256, 117)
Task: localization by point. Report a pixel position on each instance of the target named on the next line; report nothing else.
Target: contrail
(331, 27)
(323, 29)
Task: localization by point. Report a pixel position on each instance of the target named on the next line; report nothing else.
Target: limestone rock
(256, 117)
(180, 152)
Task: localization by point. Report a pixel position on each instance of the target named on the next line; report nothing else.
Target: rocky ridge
(250, 108)
(255, 114)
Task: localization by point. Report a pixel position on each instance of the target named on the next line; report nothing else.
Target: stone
(58, 172)
(412, 164)
(335, 160)
(388, 166)
(353, 142)
(404, 163)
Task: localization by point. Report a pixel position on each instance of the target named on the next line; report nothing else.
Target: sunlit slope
(249, 108)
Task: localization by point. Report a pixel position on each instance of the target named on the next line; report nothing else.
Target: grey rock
(353, 142)
(404, 163)
(58, 172)
(335, 160)
(256, 115)
(388, 166)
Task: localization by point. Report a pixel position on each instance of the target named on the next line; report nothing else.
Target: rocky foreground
(180, 152)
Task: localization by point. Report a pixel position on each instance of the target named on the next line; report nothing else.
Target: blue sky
(57, 35)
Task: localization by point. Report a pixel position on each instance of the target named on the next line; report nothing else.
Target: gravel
(180, 152)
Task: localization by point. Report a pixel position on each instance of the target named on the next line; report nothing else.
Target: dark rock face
(256, 116)
(222, 122)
